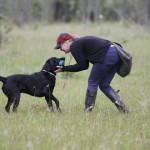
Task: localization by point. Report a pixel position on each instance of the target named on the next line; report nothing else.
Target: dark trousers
(102, 73)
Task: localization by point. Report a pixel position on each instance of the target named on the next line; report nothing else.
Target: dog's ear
(50, 65)
(46, 66)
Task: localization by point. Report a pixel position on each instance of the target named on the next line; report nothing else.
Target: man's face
(65, 47)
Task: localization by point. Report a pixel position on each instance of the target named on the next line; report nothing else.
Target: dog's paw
(7, 110)
(89, 109)
(51, 109)
(59, 110)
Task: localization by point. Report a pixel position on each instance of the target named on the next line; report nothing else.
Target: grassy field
(33, 127)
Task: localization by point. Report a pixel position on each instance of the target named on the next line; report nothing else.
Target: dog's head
(51, 63)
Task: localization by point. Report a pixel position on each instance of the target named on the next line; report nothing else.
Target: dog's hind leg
(9, 103)
(49, 103)
(16, 101)
(56, 102)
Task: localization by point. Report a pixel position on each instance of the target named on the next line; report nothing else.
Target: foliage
(5, 29)
(27, 11)
(33, 127)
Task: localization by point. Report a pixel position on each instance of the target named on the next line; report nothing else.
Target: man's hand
(59, 69)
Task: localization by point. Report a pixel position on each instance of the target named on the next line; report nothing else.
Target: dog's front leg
(56, 102)
(49, 103)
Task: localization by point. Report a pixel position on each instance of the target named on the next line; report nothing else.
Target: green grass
(33, 127)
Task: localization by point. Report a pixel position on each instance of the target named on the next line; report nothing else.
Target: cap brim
(57, 46)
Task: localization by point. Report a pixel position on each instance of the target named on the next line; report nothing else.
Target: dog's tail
(3, 79)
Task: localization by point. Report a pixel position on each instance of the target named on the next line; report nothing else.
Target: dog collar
(49, 73)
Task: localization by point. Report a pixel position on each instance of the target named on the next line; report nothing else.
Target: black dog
(38, 84)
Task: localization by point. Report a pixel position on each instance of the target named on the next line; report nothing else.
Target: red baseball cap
(62, 38)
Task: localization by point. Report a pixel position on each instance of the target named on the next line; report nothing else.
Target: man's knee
(105, 88)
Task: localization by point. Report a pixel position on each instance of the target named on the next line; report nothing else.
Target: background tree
(26, 11)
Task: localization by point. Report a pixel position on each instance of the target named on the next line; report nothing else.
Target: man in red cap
(105, 59)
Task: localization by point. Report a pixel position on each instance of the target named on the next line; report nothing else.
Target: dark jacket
(87, 49)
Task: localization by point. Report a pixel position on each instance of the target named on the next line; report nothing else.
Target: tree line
(28, 11)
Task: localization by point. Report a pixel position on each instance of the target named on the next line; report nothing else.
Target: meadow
(33, 127)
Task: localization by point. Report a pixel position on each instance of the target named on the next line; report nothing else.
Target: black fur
(38, 84)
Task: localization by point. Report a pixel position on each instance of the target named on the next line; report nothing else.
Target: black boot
(90, 100)
(115, 98)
